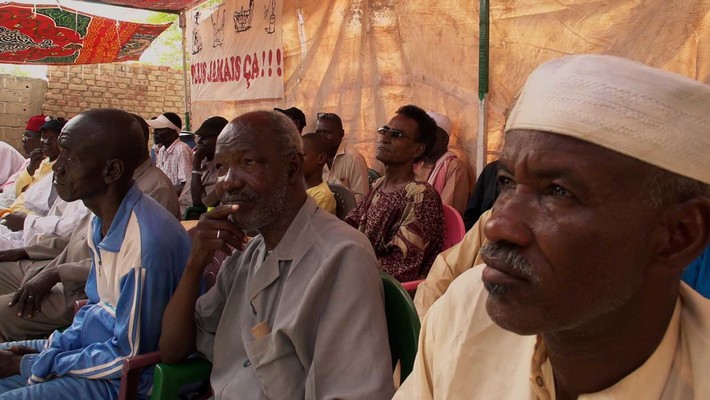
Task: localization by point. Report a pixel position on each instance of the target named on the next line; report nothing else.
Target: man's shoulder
(351, 154)
(159, 229)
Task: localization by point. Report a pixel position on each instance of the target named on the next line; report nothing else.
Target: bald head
(272, 125)
(113, 133)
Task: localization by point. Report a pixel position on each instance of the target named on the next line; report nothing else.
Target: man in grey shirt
(297, 311)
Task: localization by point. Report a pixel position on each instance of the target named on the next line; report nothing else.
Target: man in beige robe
(605, 198)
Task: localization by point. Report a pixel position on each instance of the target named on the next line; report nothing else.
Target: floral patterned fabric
(405, 227)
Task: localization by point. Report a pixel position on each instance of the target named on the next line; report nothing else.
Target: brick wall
(20, 98)
(146, 90)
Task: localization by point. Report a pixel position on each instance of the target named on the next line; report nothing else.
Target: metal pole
(185, 84)
(483, 79)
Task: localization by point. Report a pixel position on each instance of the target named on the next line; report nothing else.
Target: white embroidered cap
(442, 121)
(653, 115)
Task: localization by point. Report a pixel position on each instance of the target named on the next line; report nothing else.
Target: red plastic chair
(411, 286)
(454, 229)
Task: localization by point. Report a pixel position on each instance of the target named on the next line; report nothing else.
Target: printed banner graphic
(50, 34)
(237, 51)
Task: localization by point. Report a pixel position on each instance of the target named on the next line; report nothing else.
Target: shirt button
(539, 381)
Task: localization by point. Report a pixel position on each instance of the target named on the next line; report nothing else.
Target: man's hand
(9, 363)
(22, 350)
(36, 157)
(28, 297)
(13, 255)
(215, 232)
(199, 155)
(15, 221)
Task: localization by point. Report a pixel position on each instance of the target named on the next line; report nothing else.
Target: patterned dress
(405, 227)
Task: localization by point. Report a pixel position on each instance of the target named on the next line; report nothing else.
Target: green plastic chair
(402, 326)
(194, 212)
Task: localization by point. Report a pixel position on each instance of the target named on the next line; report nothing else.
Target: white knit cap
(442, 121)
(655, 116)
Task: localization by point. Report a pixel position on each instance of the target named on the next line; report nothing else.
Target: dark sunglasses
(392, 133)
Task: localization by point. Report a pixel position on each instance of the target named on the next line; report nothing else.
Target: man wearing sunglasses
(345, 166)
(403, 217)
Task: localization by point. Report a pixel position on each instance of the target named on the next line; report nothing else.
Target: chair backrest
(344, 200)
(402, 325)
(454, 229)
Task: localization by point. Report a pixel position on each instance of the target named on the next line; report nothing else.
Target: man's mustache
(508, 254)
(240, 196)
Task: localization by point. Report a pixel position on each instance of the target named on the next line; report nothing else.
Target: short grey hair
(665, 187)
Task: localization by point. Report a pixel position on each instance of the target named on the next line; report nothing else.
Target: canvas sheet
(364, 58)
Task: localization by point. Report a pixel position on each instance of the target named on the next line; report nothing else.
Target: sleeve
(165, 195)
(359, 183)
(54, 225)
(419, 236)
(19, 204)
(352, 296)
(47, 248)
(208, 310)
(144, 294)
(455, 191)
(449, 265)
(184, 164)
(22, 181)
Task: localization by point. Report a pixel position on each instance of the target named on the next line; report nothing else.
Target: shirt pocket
(278, 368)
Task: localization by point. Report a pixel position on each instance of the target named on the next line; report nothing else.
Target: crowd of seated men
(583, 271)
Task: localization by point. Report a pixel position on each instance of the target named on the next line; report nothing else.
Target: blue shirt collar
(117, 231)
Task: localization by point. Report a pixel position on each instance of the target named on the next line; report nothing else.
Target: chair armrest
(412, 286)
(131, 373)
(167, 379)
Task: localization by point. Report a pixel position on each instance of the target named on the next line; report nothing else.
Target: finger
(222, 211)
(16, 297)
(220, 225)
(29, 306)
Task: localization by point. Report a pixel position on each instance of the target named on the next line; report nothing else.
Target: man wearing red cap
(31, 146)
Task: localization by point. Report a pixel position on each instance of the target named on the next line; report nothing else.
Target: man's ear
(113, 170)
(683, 236)
(322, 158)
(295, 167)
(419, 150)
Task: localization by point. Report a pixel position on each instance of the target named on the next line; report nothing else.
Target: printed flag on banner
(236, 51)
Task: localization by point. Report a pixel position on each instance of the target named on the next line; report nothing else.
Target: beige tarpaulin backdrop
(363, 59)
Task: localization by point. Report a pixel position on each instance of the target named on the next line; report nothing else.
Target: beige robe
(318, 301)
(463, 354)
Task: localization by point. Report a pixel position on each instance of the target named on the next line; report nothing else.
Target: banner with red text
(237, 51)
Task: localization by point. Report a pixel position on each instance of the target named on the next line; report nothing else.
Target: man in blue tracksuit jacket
(139, 252)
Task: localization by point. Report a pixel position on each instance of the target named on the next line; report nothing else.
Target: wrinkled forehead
(241, 138)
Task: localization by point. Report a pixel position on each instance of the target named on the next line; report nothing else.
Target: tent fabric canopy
(49, 34)
(155, 5)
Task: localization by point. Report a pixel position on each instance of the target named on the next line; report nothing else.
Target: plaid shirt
(175, 161)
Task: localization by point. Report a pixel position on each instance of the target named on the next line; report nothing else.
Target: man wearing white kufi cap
(442, 169)
(604, 200)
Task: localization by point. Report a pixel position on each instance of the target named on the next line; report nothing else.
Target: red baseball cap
(35, 123)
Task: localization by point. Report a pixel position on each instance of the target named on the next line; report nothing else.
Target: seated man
(403, 217)
(10, 162)
(39, 167)
(345, 166)
(173, 156)
(298, 311)
(485, 193)
(199, 189)
(139, 252)
(296, 115)
(32, 146)
(315, 155)
(581, 293)
(40, 283)
(442, 169)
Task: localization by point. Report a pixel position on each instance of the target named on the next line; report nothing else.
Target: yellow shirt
(25, 180)
(323, 196)
(449, 265)
(463, 354)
